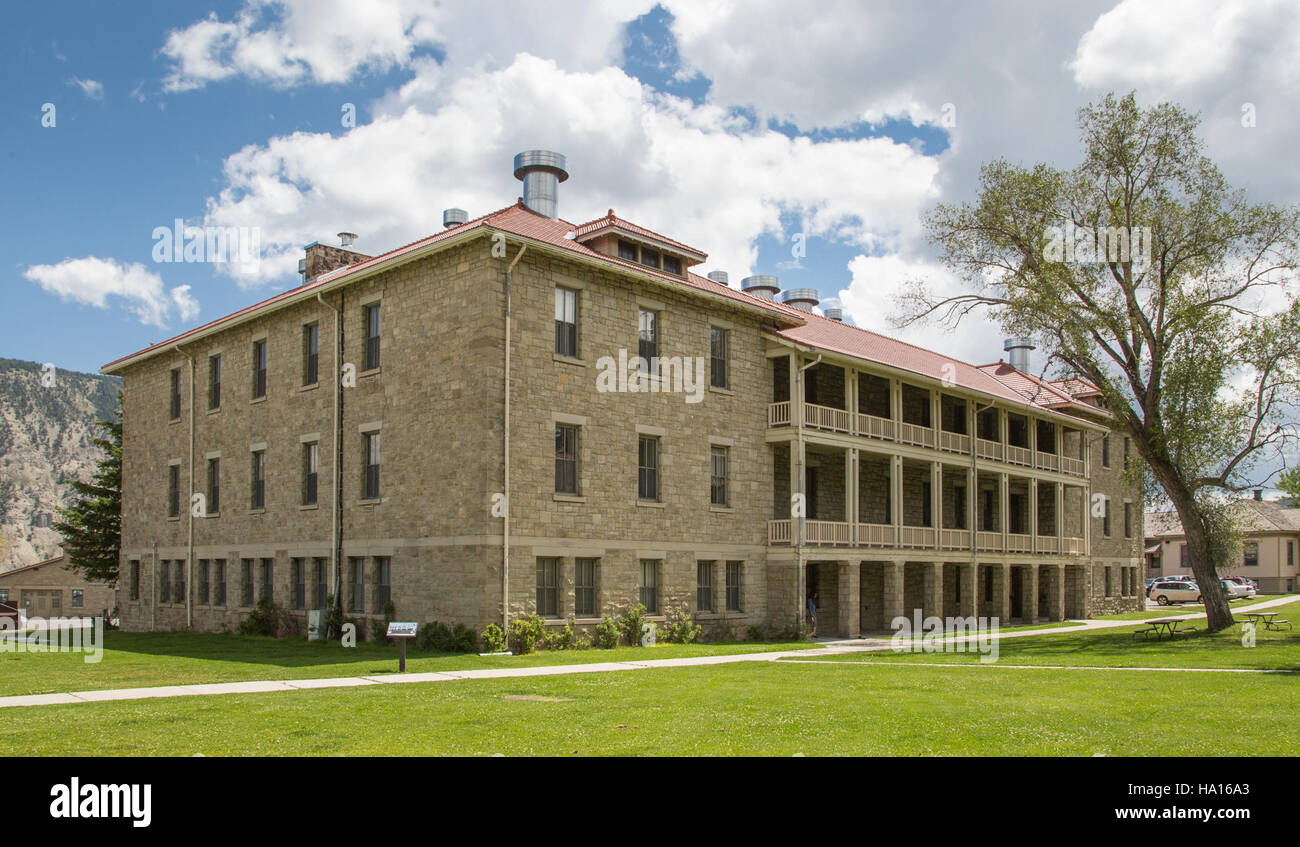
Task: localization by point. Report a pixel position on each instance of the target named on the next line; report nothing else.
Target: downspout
(189, 553)
(336, 514)
(798, 549)
(153, 591)
(505, 524)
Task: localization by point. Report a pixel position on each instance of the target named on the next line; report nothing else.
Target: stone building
(51, 589)
(466, 418)
(1270, 536)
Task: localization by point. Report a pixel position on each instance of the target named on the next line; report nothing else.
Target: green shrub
(267, 618)
(434, 636)
(524, 633)
(379, 628)
(680, 628)
(631, 624)
(494, 640)
(564, 638)
(756, 633)
(333, 618)
(463, 639)
(605, 635)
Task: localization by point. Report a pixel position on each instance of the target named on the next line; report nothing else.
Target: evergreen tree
(92, 526)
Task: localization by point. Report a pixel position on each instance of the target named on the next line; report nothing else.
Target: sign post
(403, 632)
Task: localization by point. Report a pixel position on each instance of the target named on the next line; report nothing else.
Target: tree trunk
(1217, 613)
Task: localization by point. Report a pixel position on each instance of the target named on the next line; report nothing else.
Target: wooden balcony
(1018, 543)
(825, 417)
(875, 535)
(986, 449)
(920, 436)
(1048, 461)
(1074, 467)
(1019, 456)
(954, 539)
(954, 442)
(916, 537)
(778, 414)
(988, 541)
(886, 536)
(1048, 544)
(876, 427)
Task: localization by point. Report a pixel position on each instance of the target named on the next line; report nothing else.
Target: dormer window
(673, 265)
(649, 258)
(626, 250)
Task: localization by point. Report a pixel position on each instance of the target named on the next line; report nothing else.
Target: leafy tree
(1187, 319)
(92, 526)
(1289, 483)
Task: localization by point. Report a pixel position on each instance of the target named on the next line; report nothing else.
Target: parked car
(1235, 590)
(1165, 580)
(1245, 587)
(1182, 591)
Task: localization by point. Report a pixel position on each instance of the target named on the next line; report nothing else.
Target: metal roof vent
(542, 171)
(761, 285)
(346, 239)
(720, 277)
(801, 298)
(454, 217)
(835, 314)
(1019, 348)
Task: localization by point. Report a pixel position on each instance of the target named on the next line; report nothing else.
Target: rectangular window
(384, 588)
(1109, 579)
(78, 598)
(704, 586)
(310, 455)
(548, 572)
(56, 600)
(647, 335)
(1105, 451)
(718, 357)
(134, 592)
(673, 265)
(178, 589)
(370, 464)
(310, 354)
(649, 258)
(219, 582)
(214, 487)
(584, 588)
(214, 382)
(299, 583)
(322, 586)
(1128, 520)
(988, 585)
(1184, 560)
(718, 476)
(627, 250)
(268, 580)
(566, 459)
(165, 581)
(372, 337)
(358, 582)
(648, 468)
(246, 587)
(1250, 554)
(205, 585)
(259, 368)
(174, 395)
(1105, 517)
(733, 586)
(1290, 554)
(650, 585)
(257, 499)
(173, 491)
(566, 322)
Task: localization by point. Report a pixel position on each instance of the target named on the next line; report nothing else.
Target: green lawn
(1117, 648)
(1186, 609)
(136, 659)
(757, 708)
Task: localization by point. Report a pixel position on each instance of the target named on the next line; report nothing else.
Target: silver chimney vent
(835, 314)
(454, 217)
(761, 285)
(1019, 348)
(800, 298)
(720, 277)
(346, 239)
(542, 171)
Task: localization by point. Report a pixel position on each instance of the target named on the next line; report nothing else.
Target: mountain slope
(45, 440)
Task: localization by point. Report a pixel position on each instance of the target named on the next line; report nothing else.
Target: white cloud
(290, 42)
(672, 166)
(92, 281)
(94, 89)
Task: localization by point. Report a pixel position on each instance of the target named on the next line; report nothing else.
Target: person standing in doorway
(812, 612)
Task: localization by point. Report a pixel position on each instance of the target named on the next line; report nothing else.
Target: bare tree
(1143, 271)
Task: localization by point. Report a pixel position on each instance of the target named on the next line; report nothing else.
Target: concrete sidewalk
(827, 648)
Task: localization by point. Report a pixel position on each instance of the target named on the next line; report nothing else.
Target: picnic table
(1164, 627)
(1269, 619)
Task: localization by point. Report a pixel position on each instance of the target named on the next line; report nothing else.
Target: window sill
(370, 372)
(370, 501)
(650, 504)
(568, 498)
(309, 507)
(256, 400)
(176, 519)
(568, 360)
(207, 515)
(214, 411)
(311, 386)
(174, 421)
(725, 510)
(718, 390)
(261, 511)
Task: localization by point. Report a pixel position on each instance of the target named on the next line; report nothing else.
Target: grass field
(1118, 648)
(137, 659)
(755, 708)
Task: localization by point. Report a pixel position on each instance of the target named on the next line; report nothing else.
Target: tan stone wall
(50, 582)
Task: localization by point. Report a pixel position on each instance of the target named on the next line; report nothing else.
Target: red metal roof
(612, 221)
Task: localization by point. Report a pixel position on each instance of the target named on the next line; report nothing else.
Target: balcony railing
(954, 539)
(1072, 546)
(1048, 461)
(1020, 456)
(1074, 467)
(826, 532)
(824, 417)
(778, 414)
(988, 541)
(988, 449)
(921, 436)
(876, 427)
(915, 536)
(954, 442)
(839, 534)
(1018, 543)
(1047, 544)
(875, 535)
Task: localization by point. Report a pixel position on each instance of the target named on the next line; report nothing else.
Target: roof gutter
(505, 449)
